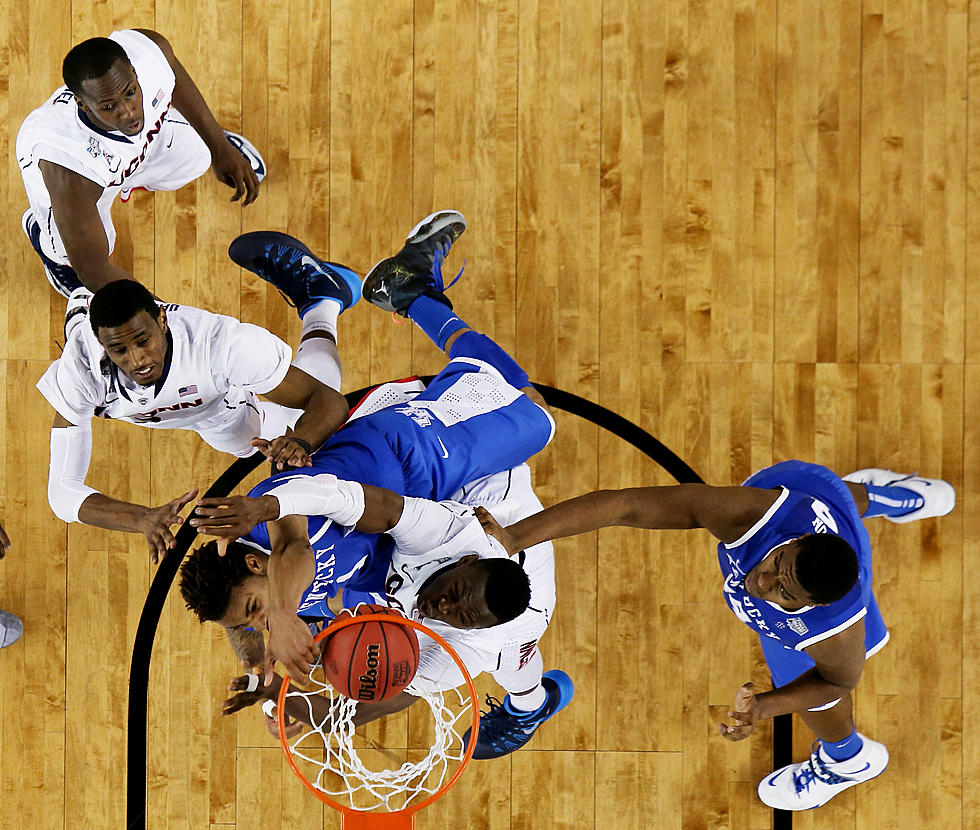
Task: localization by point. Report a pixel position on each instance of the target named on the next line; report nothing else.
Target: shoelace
(278, 257)
(436, 274)
(815, 770)
(498, 735)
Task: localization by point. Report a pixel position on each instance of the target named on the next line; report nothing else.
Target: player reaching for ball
(435, 445)
(129, 357)
(796, 560)
(447, 573)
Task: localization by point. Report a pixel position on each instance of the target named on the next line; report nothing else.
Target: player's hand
(157, 521)
(285, 451)
(493, 528)
(4, 542)
(232, 168)
(291, 644)
(242, 699)
(233, 516)
(745, 713)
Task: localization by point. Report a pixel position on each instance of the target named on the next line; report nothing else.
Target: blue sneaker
(394, 283)
(503, 729)
(63, 278)
(301, 277)
(247, 149)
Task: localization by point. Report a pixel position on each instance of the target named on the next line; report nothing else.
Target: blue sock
(842, 750)
(436, 319)
(481, 347)
(893, 500)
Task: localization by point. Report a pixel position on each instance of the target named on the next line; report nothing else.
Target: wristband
(304, 444)
(253, 683)
(269, 708)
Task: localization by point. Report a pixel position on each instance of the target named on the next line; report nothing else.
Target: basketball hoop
(379, 799)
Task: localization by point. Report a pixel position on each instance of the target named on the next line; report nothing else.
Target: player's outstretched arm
(71, 500)
(292, 565)
(230, 166)
(726, 512)
(324, 412)
(73, 202)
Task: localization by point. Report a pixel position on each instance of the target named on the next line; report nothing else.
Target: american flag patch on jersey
(157, 98)
(187, 390)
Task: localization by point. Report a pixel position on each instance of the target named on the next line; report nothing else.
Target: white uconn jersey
(215, 366)
(58, 132)
(55, 131)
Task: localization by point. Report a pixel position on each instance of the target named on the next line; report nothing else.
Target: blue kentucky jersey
(467, 424)
(812, 500)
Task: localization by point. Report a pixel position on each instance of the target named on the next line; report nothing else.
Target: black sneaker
(301, 277)
(504, 729)
(394, 283)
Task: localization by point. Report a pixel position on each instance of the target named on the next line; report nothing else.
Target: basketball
(370, 661)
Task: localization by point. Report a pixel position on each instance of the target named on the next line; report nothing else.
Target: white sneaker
(938, 496)
(817, 780)
(10, 629)
(250, 151)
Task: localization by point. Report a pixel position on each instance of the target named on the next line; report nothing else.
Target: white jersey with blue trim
(215, 365)
(59, 132)
(432, 536)
(792, 515)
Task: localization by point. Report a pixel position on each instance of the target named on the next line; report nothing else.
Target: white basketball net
(328, 759)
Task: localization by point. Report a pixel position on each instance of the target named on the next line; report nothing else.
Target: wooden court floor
(749, 226)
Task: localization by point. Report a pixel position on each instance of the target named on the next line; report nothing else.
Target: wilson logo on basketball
(369, 680)
(371, 660)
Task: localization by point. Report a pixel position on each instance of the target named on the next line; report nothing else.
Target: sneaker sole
(247, 149)
(566, 689)
(433, 223)
(55, 284)
(351, 279)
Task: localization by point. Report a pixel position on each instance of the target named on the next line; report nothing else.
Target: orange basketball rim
(401, 819)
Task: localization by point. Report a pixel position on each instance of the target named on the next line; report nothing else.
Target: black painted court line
(139, 673)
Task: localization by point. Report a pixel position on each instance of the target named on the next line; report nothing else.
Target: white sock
(529, 702)
(322, 317)
(319, 358)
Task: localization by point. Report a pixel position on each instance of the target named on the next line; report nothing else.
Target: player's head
(232, 590)
(100, 74)
(132, 329)
(476, 593)
(815, 569)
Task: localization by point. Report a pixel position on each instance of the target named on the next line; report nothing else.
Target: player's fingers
(182, 501)
(239, 188)
(293, 729)
(251, 187)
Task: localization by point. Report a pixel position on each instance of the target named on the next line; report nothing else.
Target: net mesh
(326, 754)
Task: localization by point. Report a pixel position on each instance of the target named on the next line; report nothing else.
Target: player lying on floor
(430, 446)
(796, 560)
(131, 358)
(446, 572)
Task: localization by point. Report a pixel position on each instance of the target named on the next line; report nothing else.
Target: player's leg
(411, 284)
(841, 756)
(899, 498)
(319, 291)
(533, 697)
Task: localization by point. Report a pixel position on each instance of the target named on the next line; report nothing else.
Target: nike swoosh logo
(308, 260)
(859, 771)
(445, 452)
